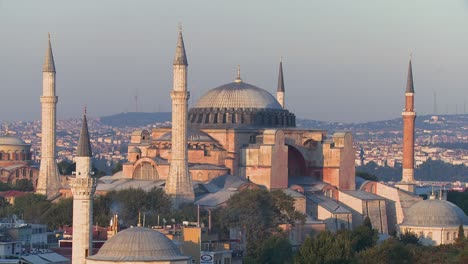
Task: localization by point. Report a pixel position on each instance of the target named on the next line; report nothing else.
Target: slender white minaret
(179, 182)
(83, 187)
(280, 90)
(49, 178)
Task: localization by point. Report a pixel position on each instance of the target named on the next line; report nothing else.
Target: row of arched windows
(15, 155)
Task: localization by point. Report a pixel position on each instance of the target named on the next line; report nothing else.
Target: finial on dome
(238, 79)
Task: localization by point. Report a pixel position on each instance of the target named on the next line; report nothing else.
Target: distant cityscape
(442, 137)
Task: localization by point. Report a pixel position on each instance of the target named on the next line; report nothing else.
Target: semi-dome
(238, 95)
(138, 244)
(434, 213)
(11, 140)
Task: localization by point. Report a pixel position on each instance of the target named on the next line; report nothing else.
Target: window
(448, 236)
(429, 235)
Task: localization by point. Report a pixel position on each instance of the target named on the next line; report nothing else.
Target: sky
(343, 61)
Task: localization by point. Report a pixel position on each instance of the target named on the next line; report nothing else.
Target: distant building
(15, 161)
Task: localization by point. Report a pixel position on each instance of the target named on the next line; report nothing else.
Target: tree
(364, 236)
(117, 167)
(461, 234)
(59, 214)
(388, 252)
(258, 213)
(326, 248)
(408, 237)
(24, 185)
(31, 207)
(66, 167)
(366, 176)
(275, 250)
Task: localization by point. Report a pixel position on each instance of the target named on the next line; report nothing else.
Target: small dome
(238, 95)
(134, 150)
(138, 244)
(11, 140)
(435, 213)
(193, 135)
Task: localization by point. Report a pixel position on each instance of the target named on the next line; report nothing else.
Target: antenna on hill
(136, 100)
(435, 103)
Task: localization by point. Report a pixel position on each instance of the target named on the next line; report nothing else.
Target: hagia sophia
(237, 136)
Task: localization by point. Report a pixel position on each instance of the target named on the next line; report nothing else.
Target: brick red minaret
(409, 116)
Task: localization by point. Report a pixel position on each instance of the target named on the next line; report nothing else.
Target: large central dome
(238, 95)
(239, 104)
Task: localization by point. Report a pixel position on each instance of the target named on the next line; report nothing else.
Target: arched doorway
(145, 171)
(296, 163)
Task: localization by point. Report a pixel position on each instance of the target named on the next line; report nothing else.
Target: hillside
(135, 119)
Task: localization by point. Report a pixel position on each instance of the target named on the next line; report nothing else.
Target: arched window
(30, 174)
(429, 235)
(448, 236)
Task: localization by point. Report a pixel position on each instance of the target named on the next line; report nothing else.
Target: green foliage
(461, 234)
(66, 167)
(364, 236)
(128, 202)
(24, 185)
(59, 214)
(366, 176)
(258, 213)
(274, 250)
(460, 199)
(31, 207)
(117, 167)
(408, 237)
(326, 248)
(391, 251)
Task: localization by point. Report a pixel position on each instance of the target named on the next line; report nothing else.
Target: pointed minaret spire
(180, 58)
(49, 65)
(84, 146)
(280, 96)
(409, 81)
(280, 77)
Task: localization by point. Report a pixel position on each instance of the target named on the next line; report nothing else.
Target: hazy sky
(343, 60)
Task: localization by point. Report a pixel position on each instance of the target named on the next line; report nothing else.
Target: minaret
(83, 187)
(49, 178)
(409, 116)
(179, 181)
(280, 90)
